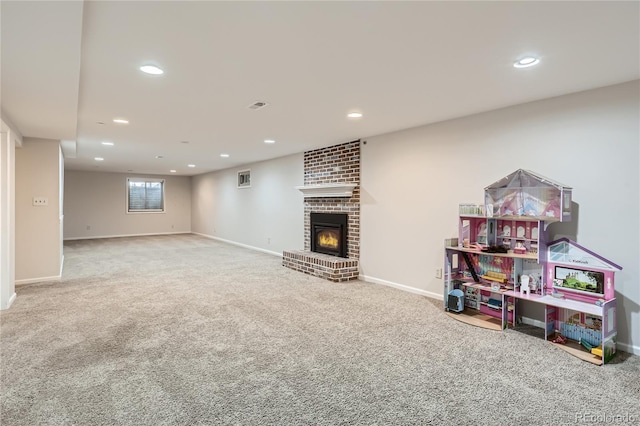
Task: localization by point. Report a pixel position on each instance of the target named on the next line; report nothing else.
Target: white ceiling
(68, 65)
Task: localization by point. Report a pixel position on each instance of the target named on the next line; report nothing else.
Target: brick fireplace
(329, 174)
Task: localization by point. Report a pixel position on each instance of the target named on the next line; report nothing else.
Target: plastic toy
(520, 248)
(456, 301)
(560, 339)
(524, 285)
(588, 346)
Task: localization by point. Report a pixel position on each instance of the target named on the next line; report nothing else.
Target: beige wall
(268, 216)
(95, 206)
(413, 181)
(38, 248)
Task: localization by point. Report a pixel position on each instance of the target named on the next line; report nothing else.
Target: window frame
(145, 211)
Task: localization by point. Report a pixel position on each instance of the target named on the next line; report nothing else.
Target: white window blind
(145, 195)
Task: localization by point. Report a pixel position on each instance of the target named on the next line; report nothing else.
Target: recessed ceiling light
(99, 159)
(269, 141)
(159, 156)
(184, 141)
(120, 121)
(172, 171)
(107, 143)
(99, 122)
(354, 114)
(191, 165)
(527, 61)
(151, 69)
(224, 155)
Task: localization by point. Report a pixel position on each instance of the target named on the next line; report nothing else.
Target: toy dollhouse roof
(569, 252)
(526, 179)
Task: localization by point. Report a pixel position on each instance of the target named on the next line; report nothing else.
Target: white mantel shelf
(327, 190)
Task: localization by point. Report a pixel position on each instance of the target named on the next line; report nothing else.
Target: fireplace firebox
(329, 233)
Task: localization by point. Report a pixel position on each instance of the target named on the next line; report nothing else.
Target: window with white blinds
(145, 195)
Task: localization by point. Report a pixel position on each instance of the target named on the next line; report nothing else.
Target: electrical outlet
(438, 272)
(40, 201)
(88, 227)
(268, 241)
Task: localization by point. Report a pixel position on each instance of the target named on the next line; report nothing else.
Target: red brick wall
(335, 164)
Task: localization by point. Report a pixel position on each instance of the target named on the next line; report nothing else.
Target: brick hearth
(336, 269)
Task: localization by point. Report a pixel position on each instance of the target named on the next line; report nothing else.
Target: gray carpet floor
(184, 330)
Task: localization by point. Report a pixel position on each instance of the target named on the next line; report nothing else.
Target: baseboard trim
(10, 302)
(98, 237)
(222, 240)
(38, 280)
(533, 322)
(401, 287)
(632, 349)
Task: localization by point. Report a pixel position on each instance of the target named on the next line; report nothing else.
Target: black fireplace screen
(329, 233)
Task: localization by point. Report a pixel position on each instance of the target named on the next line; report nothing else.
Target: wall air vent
(258, 105)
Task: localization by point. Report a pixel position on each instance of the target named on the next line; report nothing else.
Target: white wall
(38, 248)
(268, 216)
(95, 206)
(9, 140)
(413, 181)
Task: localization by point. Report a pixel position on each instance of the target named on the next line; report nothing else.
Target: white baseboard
(10, 302)
(401, 287)
(533, 322)
(273, 253)
(632, 349)
(97, 237)
(38, 280)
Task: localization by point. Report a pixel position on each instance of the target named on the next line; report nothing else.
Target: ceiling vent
(258, 105)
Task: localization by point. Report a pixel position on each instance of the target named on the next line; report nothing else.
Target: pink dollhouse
(502, 259)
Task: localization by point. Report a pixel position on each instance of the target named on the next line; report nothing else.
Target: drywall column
(8, 142)
(38, 234)
(61, 206)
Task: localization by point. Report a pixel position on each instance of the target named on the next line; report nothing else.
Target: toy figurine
(524, 285)
(509, 205)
